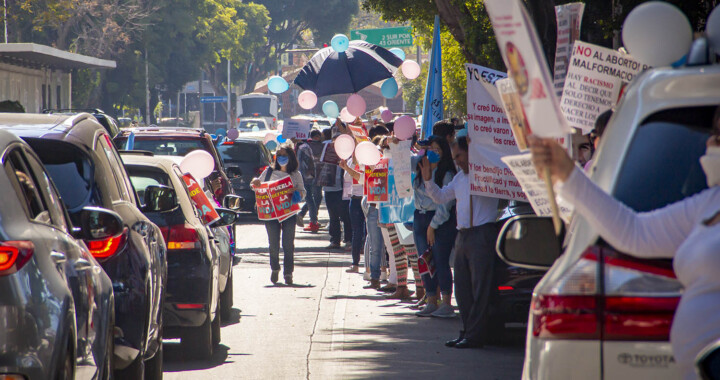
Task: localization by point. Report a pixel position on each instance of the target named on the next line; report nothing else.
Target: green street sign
(385, 37)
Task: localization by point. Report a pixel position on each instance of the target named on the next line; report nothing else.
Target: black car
(244, 160)
(107, 121)
(87, 170)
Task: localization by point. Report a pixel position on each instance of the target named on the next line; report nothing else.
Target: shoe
(465, 343)
(420, 291)
(401, 293)
(374, 284)
(427, 311)
(288, 279)
(452, 343)
(383, 275)
(352, 269)
(274, 276)
(347, 247)
(299, 221)
(444, 311)
(419, 304)
(333, 246)
(312, 227)
(389, 288)
(366, 275)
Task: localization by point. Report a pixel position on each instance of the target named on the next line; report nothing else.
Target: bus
(256, 105)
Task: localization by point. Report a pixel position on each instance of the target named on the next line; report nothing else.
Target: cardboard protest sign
(534, 188)
(527, 66)
(594, 83)
(296, 129)
(569, 18)
(376, 182)
(397, 209)
(200, 200)
(281, 192)
(513, 109)
(491, 136)
(265, 209)
(401, 168)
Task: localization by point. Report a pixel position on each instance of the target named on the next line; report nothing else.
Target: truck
(257, 105)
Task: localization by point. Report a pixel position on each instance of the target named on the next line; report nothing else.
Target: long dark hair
(292, 159)
(444, 166)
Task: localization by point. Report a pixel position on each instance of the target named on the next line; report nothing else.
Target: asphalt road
(326, 326)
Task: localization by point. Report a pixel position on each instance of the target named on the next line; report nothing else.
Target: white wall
(25, 85)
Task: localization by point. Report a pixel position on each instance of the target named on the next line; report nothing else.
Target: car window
(142, 177)
(49, 193)
(240, 152)
(251, 126)
(662, 164)
(25, 187)
(103, 148)
(168, 147)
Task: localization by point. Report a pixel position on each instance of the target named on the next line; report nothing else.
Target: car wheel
(216, 330)
(226, 298)
(154, 366)
(67, 368)
(198, 341)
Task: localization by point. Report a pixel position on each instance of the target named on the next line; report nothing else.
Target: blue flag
(433, 106)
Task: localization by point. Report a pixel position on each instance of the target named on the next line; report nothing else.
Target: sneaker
(333, 246)
(374, 284)
(299, 221)
(353, 269)
(366, 275)
(444, 311)
(312, 227)
(288, 279)
(427, 311)
(274, 276)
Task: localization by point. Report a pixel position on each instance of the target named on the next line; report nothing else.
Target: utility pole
(229, 109)
(200, 94)
(147, 91)
(5, 18)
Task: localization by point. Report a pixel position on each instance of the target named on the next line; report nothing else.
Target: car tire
(198, 341)
(226, 298)
(216, 329)
(154, 366)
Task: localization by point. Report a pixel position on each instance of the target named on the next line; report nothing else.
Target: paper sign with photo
(510, 100)
(376, 182)
(296, 129)
(569, 18)
(402, 170)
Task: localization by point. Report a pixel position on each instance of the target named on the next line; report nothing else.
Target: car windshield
(168, 147)
(255, 107)
(240, 153)
(251, 126)
(142, 177)
(662, 164)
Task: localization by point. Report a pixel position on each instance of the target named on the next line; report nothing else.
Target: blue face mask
(433, 157)
(282, 160)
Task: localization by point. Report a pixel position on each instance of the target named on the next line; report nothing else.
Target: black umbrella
(362, 64)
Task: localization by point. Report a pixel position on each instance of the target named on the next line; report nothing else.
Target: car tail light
(505, 288)
(181, 236)
(104, 248)
(636, 302)
(189, 306)
(260, 170)
(228, 143)
(14, 255)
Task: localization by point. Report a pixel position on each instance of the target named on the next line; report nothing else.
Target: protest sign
(263, 203)
(513, 109)
(397, 209)
(569, 17)
(358, 132)
(281, 192)
(594, 82)
(523, 55)
(491, 136)
(535, 188)
(426, 263)
(296, 129)
(401, 168)
(376, 182)
(200, 200)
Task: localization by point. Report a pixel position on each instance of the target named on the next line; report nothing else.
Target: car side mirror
(529, 241)
(233, 202)
(98, 223)
(227, 217)
(707, 362)
(159, 198)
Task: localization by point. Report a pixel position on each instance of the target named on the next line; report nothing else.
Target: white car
(598, 313)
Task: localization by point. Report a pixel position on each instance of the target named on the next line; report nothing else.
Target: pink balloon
(346, 116)
(367, 153)
(356, 105)
(410, 69)
(269, 137)
(386, 116)
(233, 133)
(404, 127)
(307, 99)
(344, 146)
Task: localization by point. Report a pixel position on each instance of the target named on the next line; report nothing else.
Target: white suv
(598, 313)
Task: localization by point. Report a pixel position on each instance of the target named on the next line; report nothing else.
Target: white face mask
(710, 163)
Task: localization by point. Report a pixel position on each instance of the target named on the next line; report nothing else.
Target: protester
(338, 208)
(596, 134)
(306, 161)
(474, 247)
(444, 129)
(687, 231)
(352, 181)
(434, 227)
(286, 164)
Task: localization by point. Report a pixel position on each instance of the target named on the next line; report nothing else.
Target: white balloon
(367, 153)
(410, 69)
(657, 33)
(712, 28)
(346, 116)
(199, 163)
(344, 146)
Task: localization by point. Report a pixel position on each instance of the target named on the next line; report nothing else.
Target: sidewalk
(326, 326)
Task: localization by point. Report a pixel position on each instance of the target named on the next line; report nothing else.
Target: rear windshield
(251, 126)
(255, 107)
(662, 165)
(71, 170)
(142, 177)
(165, 146)
(241, 153)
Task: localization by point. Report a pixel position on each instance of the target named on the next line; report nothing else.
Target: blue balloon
(271, 145)
(399, 52)
(330, 109)
(340, 43)
(277, 84)
(389, 88)
(281, 139)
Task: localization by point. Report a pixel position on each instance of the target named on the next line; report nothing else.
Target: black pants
(274, 228)
(474, 270)
(339, 212)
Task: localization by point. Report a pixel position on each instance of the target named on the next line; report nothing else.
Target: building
(39, 77)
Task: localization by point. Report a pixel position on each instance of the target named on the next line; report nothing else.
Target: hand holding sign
(547, 154)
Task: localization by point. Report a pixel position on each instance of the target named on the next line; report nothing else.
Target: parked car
(199, 286)
(87, 171)
(599, 313)
(58, 307)
(108, 122)
(244, 160)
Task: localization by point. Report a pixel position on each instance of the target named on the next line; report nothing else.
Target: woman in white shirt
(687, 231)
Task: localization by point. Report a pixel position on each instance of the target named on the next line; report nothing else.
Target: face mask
(282, 160)
(710, 163)
(433, 157)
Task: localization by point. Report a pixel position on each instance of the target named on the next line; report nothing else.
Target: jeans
(375, 242)
(338, 212)
(313, 198)
(444, 242)
(357, 221)
(274, 229)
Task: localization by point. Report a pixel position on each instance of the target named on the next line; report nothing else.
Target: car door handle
(82, 265)
(58, 257)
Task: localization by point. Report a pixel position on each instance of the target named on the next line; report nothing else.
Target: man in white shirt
(474, 247)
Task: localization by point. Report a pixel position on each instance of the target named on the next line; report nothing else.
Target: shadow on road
(175, 359)
(234, 318)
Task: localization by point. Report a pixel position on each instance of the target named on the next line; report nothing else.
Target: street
(326, 326)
